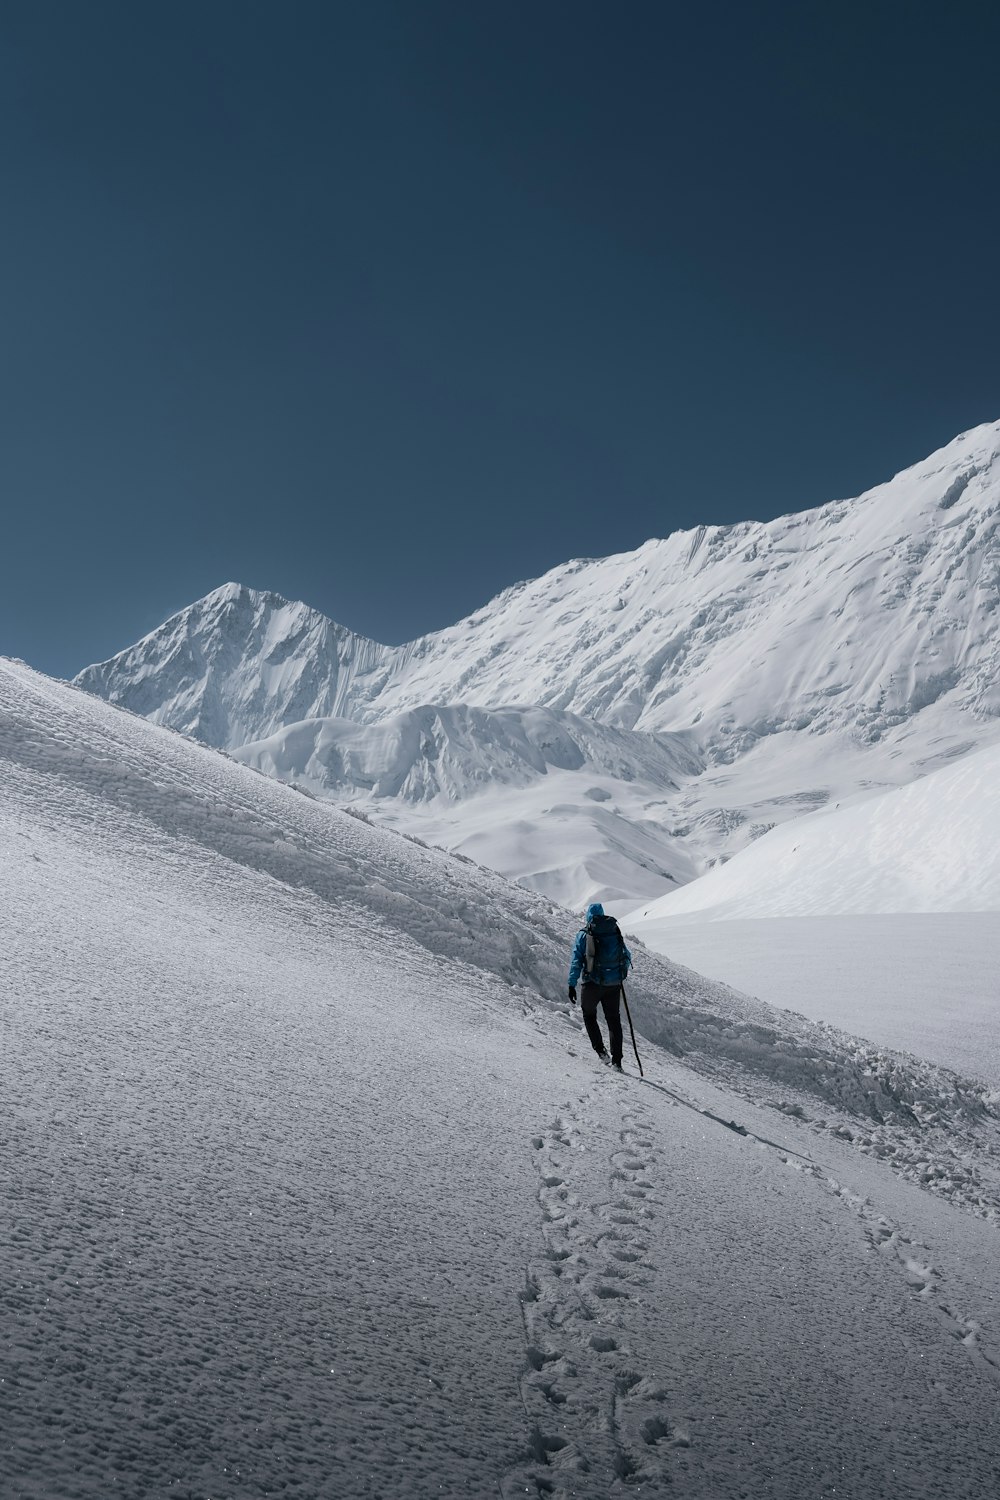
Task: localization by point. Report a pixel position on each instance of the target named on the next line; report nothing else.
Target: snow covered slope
(236, 666)
(310, 1187)
(561, 803)
(882, 917)
(931, 846)
(801, 659)
(854, 616)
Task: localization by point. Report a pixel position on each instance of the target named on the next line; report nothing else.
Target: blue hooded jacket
(611, 961)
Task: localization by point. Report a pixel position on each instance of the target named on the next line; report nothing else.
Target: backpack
(611, 958)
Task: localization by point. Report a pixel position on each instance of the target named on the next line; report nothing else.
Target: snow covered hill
(561, 803)
(311, 1187)
(932, 846)
(802, 659)
(882, 916)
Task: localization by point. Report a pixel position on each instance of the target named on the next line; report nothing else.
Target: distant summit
(237, 665)
(780, 664)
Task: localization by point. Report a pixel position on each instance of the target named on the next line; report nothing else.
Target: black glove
(572, 993)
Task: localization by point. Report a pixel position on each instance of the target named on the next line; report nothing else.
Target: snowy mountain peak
(235, 665)
(979, 445)
(803, 658)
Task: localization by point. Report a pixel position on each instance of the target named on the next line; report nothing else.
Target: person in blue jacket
(602, 959)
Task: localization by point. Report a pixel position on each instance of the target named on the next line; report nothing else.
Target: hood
(595, 909)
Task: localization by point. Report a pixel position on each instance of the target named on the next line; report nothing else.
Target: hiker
(601, 955)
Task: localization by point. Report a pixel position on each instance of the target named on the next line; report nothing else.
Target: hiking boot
(616, 1063)
(604, 1058)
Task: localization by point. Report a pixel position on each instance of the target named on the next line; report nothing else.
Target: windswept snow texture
(800, 660)
(312, 1187)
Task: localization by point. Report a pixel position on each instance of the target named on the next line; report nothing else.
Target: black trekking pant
(608, 996)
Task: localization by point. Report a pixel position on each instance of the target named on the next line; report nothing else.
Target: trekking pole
(631, 1029)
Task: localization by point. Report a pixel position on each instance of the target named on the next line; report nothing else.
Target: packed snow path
(300, 1199)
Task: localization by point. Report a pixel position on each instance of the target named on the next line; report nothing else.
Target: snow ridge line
(597, 1422)
(732, 1125)
(925, 1155)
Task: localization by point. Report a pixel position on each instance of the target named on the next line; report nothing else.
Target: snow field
(712, 1317)
(252, 1229)
(924, 983)
(315, 1189)
(880, 917)
(933, 845)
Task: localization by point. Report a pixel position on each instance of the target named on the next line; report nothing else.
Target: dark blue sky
(388, 305)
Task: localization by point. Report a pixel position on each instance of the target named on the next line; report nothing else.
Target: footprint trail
(599, 1422)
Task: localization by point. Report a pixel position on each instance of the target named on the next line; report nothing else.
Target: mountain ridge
(804, 659)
